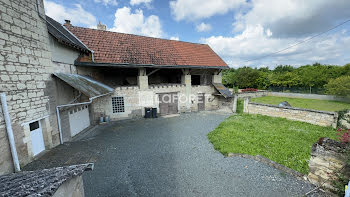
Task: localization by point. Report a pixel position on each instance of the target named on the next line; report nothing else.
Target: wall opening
(165, 76)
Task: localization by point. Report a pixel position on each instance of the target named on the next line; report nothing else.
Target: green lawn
(281, 140)
(322, 105)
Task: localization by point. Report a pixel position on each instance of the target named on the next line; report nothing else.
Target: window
(118, 104)
(34, 125)
(195, 79)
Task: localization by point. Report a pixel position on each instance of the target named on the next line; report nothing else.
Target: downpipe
(70, 105)
(10, 132)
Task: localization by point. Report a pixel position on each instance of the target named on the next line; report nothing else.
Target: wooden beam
(153, 72)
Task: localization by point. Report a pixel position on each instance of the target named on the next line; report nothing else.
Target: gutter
(10, 132)
(127, 65)
(70, 105)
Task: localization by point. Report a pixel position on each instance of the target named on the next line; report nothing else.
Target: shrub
(339, 86)
(249, 90)
(343, 135)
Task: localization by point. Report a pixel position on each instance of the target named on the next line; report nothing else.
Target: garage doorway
(36, 135)
(168, 103)
(79, 119)
(201, 102)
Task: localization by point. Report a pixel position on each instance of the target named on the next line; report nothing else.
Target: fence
(305, 90)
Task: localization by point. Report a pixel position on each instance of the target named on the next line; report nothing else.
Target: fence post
(245, 104)
(234, 108)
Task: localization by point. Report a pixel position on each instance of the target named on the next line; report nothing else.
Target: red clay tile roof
(112, 47)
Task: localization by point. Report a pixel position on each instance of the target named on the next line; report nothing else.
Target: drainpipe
(10, 132)
(70, 105)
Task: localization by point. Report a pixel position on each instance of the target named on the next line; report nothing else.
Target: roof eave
(127, 65)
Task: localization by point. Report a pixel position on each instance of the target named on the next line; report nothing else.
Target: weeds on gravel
(283, 141)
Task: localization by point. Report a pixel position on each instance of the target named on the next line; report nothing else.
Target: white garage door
(79, 119)
(36, 134)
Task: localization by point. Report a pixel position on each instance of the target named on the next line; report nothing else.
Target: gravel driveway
(167, 157)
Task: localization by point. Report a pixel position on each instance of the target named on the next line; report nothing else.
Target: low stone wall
(309, 96)
(344, 120)
(327, 159)
(252, 94)
(321, 118)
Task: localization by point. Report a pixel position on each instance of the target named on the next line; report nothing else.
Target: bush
(339, 86)
(249, 90)
(344, 135)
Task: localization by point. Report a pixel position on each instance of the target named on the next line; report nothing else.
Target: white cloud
(255, 42)
(293, 18)
(174, 38)
(137, 2)
(76, 14)
(107, 2)
(203, 27)
(266, 26)
(136, 23)
(198, 9)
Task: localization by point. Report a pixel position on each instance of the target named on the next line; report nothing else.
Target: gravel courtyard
(167, 157)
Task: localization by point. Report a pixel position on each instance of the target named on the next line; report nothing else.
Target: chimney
(101, 26)
(67, 23)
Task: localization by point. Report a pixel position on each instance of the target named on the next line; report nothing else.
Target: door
(79, 119)
(168, 103)
(201, 102)
(36, 134)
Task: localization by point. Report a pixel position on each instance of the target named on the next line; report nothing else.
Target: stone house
(31, 50)
(60, 79)
(25, 78)
(143, 71)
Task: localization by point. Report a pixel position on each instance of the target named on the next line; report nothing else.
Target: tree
(246, 77)
(287, 79)
(263, 82)
(339, 86)
(283, 69)
(229, 77)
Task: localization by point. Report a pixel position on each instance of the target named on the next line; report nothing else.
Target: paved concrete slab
(167, 157)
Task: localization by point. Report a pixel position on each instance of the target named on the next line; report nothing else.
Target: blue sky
(238, 30)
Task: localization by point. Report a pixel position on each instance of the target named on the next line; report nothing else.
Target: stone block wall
(321, 118)
(327, 159)
(344, 121)
(149, 98)
(25, 69)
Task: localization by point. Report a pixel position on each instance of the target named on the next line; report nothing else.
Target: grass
(322, 105)
(281, 140)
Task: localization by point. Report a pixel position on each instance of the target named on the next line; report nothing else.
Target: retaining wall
(327, 159)
(315, 117)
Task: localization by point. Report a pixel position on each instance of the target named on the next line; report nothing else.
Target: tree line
(334, 79)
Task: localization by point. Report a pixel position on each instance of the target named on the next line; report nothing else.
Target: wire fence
(304, 90)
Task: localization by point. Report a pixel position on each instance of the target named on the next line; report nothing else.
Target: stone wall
(344, 121)
(321, 118)
(327, 159)
(25, 69)
(134, 106)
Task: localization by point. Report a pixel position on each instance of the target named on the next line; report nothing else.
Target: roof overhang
(225, 92)
(85, 85)
(126, 65)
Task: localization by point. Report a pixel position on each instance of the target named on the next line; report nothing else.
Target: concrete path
(168, 157)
